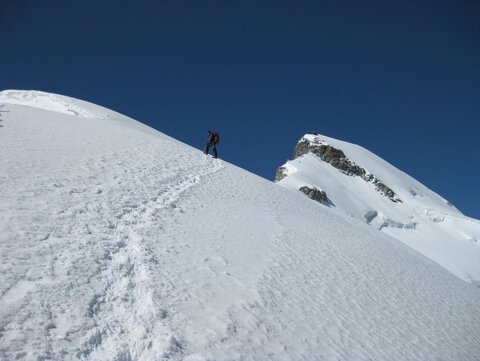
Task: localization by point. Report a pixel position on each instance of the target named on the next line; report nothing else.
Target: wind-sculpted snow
(119, 243)
(419, 218)
(52, 102)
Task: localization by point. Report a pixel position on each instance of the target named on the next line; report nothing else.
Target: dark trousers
(214, 146)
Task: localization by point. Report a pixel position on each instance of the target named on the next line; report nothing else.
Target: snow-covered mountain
(120, 243)
(359, 184)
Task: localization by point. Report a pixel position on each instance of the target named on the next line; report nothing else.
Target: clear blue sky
(401, 78)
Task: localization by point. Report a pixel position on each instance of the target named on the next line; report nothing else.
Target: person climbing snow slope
(212, 141)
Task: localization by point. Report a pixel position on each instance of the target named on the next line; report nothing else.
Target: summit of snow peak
(36, 101)
(359, 184)
(55, 103)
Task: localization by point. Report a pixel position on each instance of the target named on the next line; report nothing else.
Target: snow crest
(52, 102)
(422, 219)
(119, 243)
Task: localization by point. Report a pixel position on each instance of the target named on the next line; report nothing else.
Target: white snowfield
(120, 243)
(423, 220)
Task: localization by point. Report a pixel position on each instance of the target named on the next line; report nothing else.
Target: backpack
(215, 137)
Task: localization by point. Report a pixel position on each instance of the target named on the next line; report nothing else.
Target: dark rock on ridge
(281, 173)
(314, 193)
(339, 160)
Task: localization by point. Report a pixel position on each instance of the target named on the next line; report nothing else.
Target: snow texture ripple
(120, 243)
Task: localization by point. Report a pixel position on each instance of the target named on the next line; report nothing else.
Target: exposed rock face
(331, 155)
(281, 173)
(302, 147)
(315, 194)
(382, 188)
(339, 160)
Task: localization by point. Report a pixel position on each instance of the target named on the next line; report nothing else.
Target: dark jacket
(213, 138)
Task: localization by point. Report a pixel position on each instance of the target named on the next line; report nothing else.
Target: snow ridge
(337, 158)
(417, 216)
(52, 102)
(118, 243)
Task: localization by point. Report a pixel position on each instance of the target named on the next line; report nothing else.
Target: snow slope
(423, 220)
(120, 243)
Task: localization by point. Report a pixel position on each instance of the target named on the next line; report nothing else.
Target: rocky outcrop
(331, 155)
(315, 194)
(302, 147)
(382, 188)
(281, 173)
(339, 160)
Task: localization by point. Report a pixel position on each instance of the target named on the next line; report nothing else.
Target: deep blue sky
(401, 78)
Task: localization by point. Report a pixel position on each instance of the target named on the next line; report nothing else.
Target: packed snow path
(119, 243)
(87, 217)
